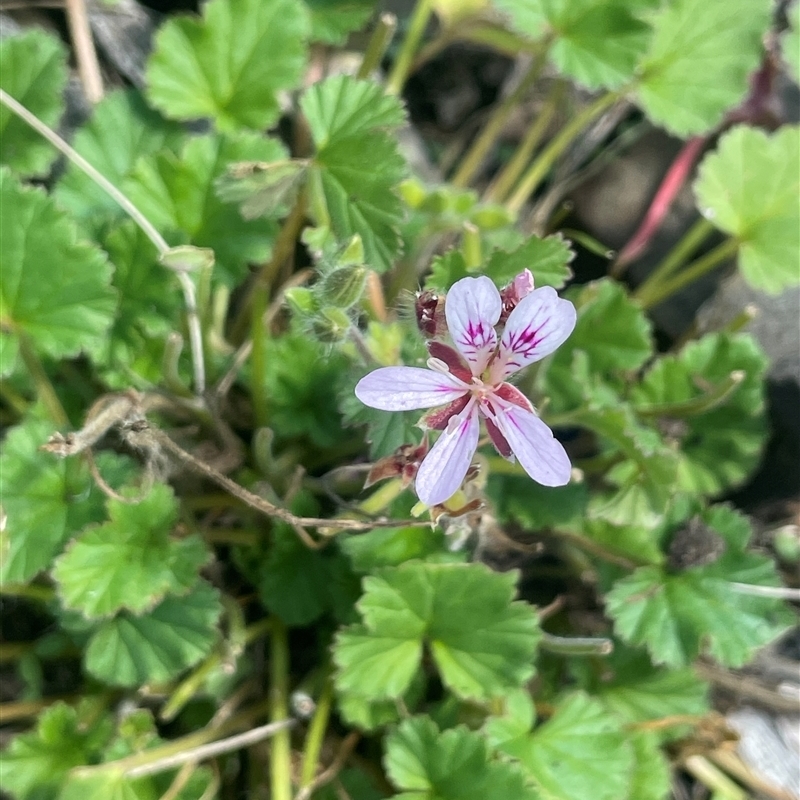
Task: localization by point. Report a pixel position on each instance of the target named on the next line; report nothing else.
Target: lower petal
(407, 388)
(444, 468)
(541, 455)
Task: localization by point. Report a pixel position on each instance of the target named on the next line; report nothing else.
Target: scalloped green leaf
(299, 584)
(230, 64)
(130, 650)
(748, 187)
(548, 259)
(46, 500)
(107, 785)
(333, 20)
(481, 641)
(33, 70)
(36, 763)
(612, 337)
(595, 42)
(651, 778)
(426, 764)
(131, 561)
(722, 444)
(176, 193)
(681, 615)
(357, 165)
(121, 130)
(581, 751)
(699, 62)
(54, 289)
(639, 692)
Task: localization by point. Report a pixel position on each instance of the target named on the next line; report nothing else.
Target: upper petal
(444, 468)
(541, 455)
(539, 324)
(472, 309)
(406, 388)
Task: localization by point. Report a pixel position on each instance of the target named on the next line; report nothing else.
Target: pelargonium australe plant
(471, 381)
(216, 580)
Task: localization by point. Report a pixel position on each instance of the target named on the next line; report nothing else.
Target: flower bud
(343, 287)
(301, 301)
(331, 325)
(491, 217)
(520, 287)
(429, 312)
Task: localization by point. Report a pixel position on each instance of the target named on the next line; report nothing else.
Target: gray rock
(776, 325)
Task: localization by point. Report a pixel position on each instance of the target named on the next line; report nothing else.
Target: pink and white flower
(470, 384)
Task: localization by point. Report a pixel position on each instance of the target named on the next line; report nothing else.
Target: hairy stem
(548, 157)
(678, 256)
(316, 735)
(44, 388)
(416, 29)
(378, 44)
(476, 154)
(280, 753)
(576, 645)
(695, 270)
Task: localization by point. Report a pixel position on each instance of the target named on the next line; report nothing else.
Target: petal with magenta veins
(407, 388)
(472, 308)
(541, 455)
(540, 324)
(444, 468)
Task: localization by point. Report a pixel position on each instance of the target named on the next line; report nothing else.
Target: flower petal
(443, 469)
(539, 324)
(541, 455)
(472, 308)
(406, 388)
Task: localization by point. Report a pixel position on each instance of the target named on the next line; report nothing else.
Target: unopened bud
(520, 287)
(301, 301)
(489, 218)
(343, 287)
(429, 312)
(331, 325)
(353, 253)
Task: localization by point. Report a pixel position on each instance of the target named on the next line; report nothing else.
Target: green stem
(714, 778)
(588, 242)
(471, 245)
(547, 158)
(714, 397)
(281, 251)
(378, 44)
(695, 270)
(280, 753)
(29, 591)
(258, 357)
(316, 735)
(44, 389)
(678, 256)
(381, 498)
(15, 401)
(416, 29)
(576, 645)
(494, 127)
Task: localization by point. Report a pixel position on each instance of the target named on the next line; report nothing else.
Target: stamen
(437, 365)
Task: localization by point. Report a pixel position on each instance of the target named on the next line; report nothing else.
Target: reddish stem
(673, 182)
